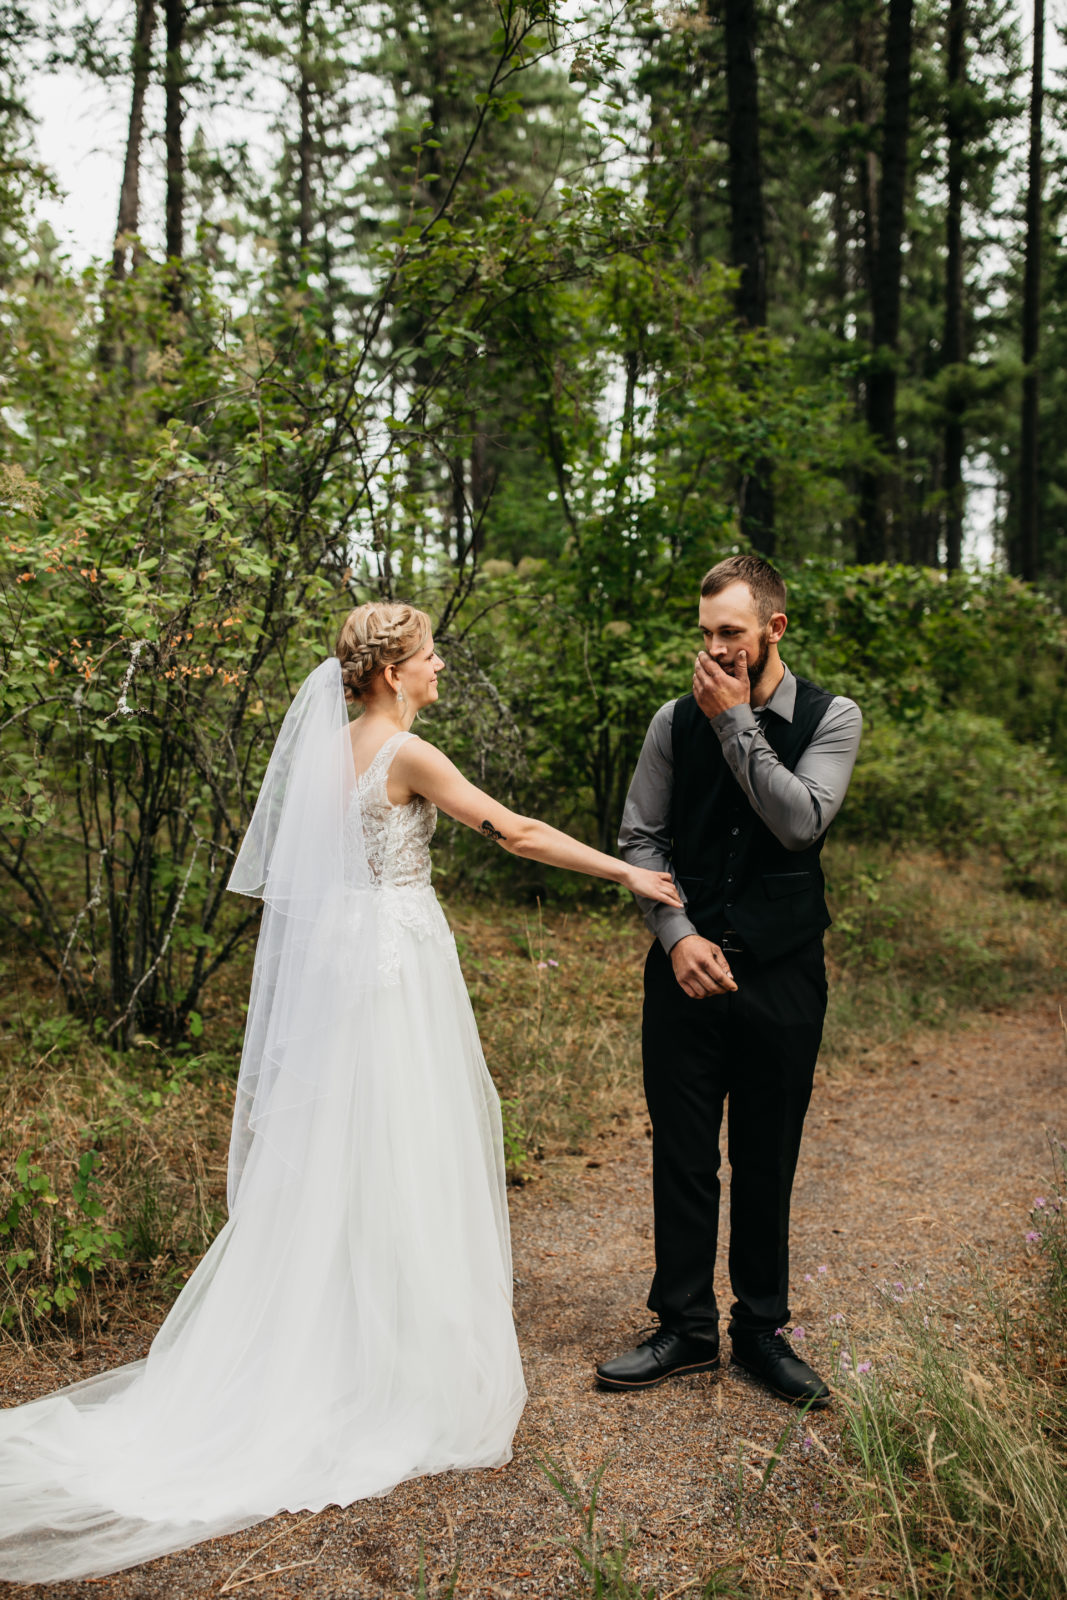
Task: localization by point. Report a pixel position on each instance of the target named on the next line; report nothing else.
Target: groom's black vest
(732, 870)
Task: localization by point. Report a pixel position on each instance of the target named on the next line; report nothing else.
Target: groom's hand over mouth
(701, 968)
(716, 691)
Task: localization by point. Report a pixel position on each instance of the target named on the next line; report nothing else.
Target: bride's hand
(653, 886)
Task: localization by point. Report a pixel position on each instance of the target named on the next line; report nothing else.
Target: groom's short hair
(765, 583)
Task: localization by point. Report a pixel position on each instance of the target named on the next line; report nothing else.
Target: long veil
(303, 855)
(161, 1453)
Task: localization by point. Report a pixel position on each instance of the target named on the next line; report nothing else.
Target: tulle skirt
(349, 1328)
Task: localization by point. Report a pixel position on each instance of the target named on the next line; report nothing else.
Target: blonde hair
(379, 634)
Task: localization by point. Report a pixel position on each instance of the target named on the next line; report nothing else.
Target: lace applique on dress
(397, 843)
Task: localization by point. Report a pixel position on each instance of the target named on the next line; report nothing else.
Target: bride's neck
(388, 714)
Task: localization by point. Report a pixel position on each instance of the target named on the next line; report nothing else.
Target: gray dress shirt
(797, 806)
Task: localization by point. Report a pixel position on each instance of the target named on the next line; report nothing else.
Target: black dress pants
(755, 1050)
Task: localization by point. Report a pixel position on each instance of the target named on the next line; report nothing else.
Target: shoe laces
(771, 1341)
(655, 1336)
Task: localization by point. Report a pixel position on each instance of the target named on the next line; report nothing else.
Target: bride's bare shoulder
(366, 741)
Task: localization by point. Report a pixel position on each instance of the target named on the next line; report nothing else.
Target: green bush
(905, 641)
(959, 782)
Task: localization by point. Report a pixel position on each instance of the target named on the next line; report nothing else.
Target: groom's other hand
(716, 691)
(701, 968)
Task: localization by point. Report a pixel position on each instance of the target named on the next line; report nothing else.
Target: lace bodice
(396, 838)
(396, 843)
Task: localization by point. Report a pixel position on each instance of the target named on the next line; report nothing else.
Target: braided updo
(379, 634)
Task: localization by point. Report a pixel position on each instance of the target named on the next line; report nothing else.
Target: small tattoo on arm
(491, 832)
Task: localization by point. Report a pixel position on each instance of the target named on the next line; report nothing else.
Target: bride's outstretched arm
(424, 770)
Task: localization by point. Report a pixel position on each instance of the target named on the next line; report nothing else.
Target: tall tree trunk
(864, 49)
(952, 351)
(747, 229)
(173, 75)
(129, 217)
(876, 521)
(1029, 540)
(305, 148)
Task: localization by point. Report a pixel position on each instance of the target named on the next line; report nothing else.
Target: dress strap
(383, 758)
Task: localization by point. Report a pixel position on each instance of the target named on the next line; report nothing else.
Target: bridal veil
(351, 1324)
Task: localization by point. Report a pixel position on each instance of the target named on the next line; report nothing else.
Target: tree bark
(952, 351)
(173, 80)
(129, 217)
(748, 231)
(1029, 553)
(877, 484)
(305, 152)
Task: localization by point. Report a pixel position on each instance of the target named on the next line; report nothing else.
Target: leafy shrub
(51, 1250)
(905, 641)
(959, 782)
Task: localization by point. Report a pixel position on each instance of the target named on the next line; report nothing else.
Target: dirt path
(902, 1174)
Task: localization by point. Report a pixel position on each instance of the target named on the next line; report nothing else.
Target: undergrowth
(112, 1165)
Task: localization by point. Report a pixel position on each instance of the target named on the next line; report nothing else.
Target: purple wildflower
(1033, 1236)
(864, 1366)
(798, 1333)
(1039, 1201)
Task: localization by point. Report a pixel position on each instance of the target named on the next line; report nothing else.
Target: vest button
(735, 831)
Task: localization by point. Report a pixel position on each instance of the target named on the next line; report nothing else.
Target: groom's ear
(777, 625)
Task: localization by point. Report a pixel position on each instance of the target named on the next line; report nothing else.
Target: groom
(734, 790)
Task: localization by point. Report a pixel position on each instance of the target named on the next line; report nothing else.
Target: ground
(911, 1173)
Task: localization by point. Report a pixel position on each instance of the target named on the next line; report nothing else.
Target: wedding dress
(351, 1325)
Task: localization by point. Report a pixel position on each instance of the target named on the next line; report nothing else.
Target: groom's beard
(756, 668)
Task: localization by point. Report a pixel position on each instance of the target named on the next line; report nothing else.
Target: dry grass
(947, 1477)
(920, 942)
(113, 1171)
(557, 994)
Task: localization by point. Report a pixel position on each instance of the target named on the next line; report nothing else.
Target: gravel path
(905, 1172)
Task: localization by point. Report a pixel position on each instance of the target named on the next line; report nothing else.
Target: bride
(351, 1325)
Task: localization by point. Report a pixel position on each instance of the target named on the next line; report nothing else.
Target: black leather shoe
(662, 1355)
(769, 1357)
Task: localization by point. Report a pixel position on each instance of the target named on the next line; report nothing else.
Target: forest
(525, 314)
(529, 313)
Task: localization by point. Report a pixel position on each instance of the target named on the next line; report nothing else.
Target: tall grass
(112, 1168)
(923, 941)
(959, 1449)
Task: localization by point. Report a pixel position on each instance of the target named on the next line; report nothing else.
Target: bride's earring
(401, 699)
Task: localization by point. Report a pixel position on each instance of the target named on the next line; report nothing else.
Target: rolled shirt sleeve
(645, 833)
(796, 806)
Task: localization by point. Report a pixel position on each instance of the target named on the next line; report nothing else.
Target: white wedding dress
(351, 1325)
